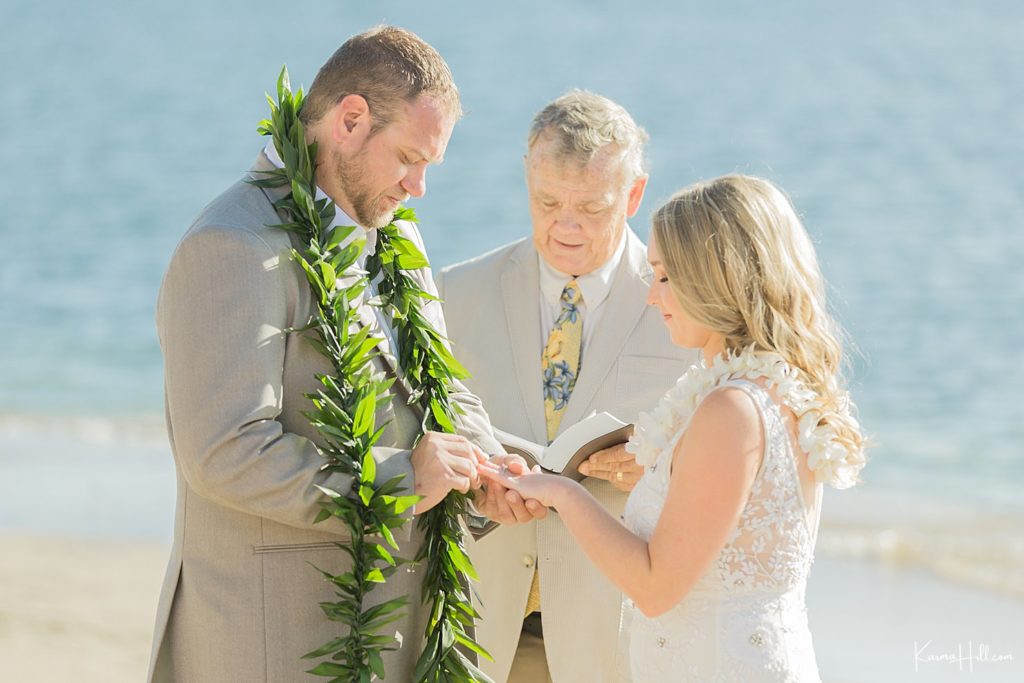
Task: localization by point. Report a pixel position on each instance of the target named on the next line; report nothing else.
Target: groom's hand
(442, 462)
(614, 465)
(506, 506)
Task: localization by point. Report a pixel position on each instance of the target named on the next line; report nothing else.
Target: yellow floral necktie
(561, 365)
(561, 359)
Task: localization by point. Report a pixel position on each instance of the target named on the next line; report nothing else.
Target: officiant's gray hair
(582, 123)
(387, 66)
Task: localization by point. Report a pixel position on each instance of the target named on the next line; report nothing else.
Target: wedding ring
(618, 476)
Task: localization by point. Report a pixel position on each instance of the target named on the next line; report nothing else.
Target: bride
(719, 533)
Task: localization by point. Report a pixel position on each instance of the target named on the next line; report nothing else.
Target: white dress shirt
(595, 287)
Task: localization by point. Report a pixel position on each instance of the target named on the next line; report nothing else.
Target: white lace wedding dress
(745, 620)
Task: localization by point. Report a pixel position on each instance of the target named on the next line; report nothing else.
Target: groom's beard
(370, 210)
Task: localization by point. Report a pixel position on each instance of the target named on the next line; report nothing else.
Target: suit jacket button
(527, 561)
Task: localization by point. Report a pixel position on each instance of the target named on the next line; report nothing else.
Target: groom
(239, 601)
(567, 303)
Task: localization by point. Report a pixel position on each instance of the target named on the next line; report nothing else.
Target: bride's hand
(534, 485)
(501, 504)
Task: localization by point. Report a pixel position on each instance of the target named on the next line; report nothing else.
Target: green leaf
(359, 346)
(376, 663)
(388, 536)
(330, 277)
(344, 259)
(428, 660)
(474, 673)
(365, 413)
(338, 235)
(383, 554)
(369, 468)
(313, 278)
(330, 493)
(442, 419)
(284, 84)
(411, 261)
(330, 669)
(404, 213)
(449, 360)
(402, 503)
(461, 560)
(365, 493)
(377, 624)
(327, 648)
(447, 636)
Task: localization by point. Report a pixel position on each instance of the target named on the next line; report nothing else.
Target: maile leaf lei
(344, 415)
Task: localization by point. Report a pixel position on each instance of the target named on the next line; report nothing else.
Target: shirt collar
(340, 217)
(595, 286)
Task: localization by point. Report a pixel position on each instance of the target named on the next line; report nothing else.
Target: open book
(563, 456)
(573, 446)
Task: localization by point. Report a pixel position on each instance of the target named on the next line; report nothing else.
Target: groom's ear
(351, 121)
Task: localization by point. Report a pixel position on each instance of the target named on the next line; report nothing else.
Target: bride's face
(682, 329)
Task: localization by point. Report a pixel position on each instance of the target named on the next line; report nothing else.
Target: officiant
(553, 327)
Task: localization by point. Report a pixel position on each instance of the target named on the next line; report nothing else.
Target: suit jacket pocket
(642, 381)
(293, 547)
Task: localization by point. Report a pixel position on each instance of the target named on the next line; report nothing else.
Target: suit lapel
(623, 309)
(520, 282)
(367, 316)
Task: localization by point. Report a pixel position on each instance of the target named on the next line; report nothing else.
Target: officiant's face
(579, 213)
(375, 171)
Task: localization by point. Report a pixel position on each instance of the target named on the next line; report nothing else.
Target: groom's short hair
(387, 66)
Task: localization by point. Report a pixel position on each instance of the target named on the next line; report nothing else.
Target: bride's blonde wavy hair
(740, 263)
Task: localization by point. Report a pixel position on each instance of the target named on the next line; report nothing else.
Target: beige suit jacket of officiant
(240, 599)
(492, 307)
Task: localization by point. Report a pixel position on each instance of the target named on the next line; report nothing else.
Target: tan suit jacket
(492, 307)
(240, 599)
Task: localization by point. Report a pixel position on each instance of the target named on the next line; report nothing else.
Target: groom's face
(375, 171)
(579, 212)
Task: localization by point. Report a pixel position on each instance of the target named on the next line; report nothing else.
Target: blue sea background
(896, 128)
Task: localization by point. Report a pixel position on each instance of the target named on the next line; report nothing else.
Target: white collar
(595, 286)
(340, 217)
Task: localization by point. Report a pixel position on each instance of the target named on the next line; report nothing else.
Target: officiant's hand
(614, 465)
(442, 462)
(504, 505)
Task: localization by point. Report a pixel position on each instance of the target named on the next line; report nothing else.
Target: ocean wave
(86, 429)
(969, 545)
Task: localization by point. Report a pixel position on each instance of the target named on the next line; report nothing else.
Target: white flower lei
(831, 461)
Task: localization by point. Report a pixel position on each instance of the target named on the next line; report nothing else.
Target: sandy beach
(73, 609)
(877, 624)
(77, 610)
(905, 586)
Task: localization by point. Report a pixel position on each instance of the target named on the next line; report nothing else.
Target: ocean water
(895, 127)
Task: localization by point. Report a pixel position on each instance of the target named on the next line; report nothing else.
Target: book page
(570, 444)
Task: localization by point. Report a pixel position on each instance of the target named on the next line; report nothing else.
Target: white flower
(832, 461)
